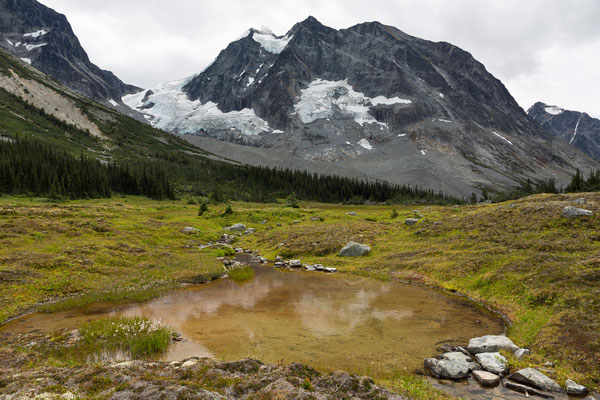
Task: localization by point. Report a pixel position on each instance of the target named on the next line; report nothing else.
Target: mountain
(367, 101)
(576, 128)
(43, 38)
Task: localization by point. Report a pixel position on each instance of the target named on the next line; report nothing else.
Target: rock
(456, 356)
(575, 389)
(580, 201)
(463, 350)
(533, 377)
(486, 378)
(249, 231)
(411, 221)
(447, 369)
(492, 362)
(473, 366)
(282, 390)
(319, 267)
(525, 389)
(310, 268)
(189, 363)
(574, 212)
(351, 213)
(294, 263)
(239, 250)
(329, 269)
(279, 265)
(522, 353)
(490, 344)
(263, 222)
(237, 228)
(353, 249)
(188, 230)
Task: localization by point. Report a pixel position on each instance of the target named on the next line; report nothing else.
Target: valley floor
(521, 258)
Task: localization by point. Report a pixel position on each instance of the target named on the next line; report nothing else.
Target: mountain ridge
(318, 94)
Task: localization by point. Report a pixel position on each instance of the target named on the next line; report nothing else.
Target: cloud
(546, 50)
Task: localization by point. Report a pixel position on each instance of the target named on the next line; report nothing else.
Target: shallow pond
(329, 321)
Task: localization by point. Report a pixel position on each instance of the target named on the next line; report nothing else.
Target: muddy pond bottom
(329, 321)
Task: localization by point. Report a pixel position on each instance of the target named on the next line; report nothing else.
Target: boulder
(580, 201)
(279, 265)
(526, 389)
(486, 378)
(294, 263)
(329, 269)
(447, 369)
(188, 230)
(353, 249)
(491, 344)
(456, 356)
(533, 377)
(575, 389)
(237, 228)
(521, 353)
(249, 231)
(411, 221)
(310, 267)
(574, 212)
(492, 362)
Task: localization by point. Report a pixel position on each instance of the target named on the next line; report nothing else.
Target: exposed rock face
(490, 344)
(369, 101)
(535, 378)
(492, 362)
(448, 369)
(486, 378)
(353, 249)
(576, 128)
(43, 38)
(574, 212)
(575, 389)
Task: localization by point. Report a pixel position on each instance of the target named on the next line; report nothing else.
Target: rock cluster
(488, 367)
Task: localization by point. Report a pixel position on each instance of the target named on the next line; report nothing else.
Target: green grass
(240, 273)
(135, 337)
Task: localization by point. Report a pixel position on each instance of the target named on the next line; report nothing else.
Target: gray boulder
(447, 369)
(353, 249)
(526, 389)
(491, 344)
(533, 377)
(580, 201)
(522, 353)
(294, 263)
(486, 378)
(237, 228)
(188, 230)
(492, 362)
(411, 221)
(574, 212)
(575, 389)
(456, 356)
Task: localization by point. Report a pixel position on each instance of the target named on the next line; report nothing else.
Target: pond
(329, 321)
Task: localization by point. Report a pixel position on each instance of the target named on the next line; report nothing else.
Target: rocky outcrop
(491, 343)
(574, 212)
(533, 377)
(353, 249)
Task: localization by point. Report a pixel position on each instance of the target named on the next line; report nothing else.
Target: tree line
(33, 168)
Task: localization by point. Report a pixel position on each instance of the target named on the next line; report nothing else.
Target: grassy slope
(542, 270)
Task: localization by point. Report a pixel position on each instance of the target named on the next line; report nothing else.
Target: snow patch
(443, 120)
(322, 98)
(349, 143)
(441, 95)
(277, 131)
(401, 134)
(9, 42)
(270, 42)
(503, 138)
(27, 60)
(30, 47)
(576, 129)
(114, 103)
(364, 143)
(554, 110)
(170, 109)
(35, 34)
(384, 100)
(423, 152)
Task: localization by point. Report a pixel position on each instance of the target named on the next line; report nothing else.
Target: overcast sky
(546, 50)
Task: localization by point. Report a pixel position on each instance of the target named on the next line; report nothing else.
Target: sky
(542, 50)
